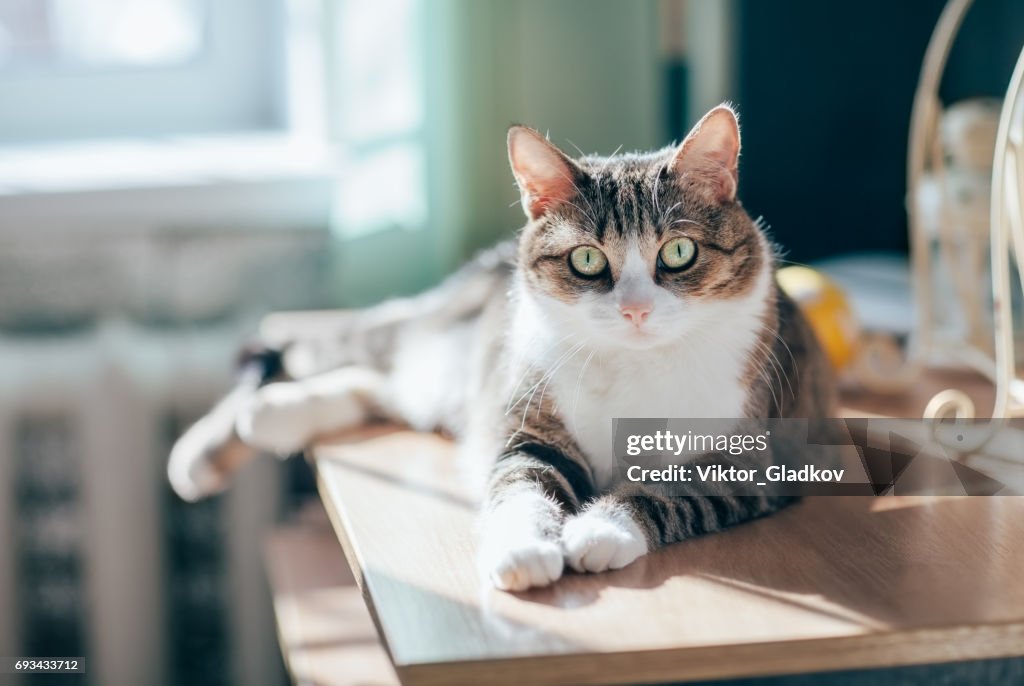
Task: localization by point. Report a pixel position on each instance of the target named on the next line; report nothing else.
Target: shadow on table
(881, 562)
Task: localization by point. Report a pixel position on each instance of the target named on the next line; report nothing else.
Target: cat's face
(638, 251)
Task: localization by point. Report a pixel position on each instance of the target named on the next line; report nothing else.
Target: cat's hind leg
(209, 452)
(205, 457)
(287, 416)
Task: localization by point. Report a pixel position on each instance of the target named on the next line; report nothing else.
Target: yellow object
(827, 310)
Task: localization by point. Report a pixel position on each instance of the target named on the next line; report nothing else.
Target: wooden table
(831, 583)
(325, 632)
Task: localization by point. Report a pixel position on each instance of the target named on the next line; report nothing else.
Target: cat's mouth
(640, 334)
(642, 337)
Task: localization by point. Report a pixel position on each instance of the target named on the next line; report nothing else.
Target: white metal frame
(1007, 241)
(1006, 228)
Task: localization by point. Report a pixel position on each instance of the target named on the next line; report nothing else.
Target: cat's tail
(204, 458)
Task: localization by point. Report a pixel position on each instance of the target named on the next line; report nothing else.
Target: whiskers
(542, 383)
(610, 159)
(576, 393)
(772, 366)
(666, 217)
(528, 368)
(792, 358)
(576, 349)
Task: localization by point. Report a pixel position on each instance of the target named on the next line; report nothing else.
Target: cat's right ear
(708, 159)
(546, 176)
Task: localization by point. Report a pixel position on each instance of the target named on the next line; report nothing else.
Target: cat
(639, 287)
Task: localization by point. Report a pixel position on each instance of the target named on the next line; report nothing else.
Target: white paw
(526, 563)
(597, 540)
(191, 475)
(278, 419)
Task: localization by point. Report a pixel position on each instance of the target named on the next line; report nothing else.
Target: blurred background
(170, 170)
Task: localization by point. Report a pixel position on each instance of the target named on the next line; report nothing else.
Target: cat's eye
(587, 261)
(677, 254)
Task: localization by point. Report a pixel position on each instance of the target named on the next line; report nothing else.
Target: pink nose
(636, 314)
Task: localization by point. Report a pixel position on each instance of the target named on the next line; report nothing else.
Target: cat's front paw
(597, 540)
(518, 565)
(277, 419)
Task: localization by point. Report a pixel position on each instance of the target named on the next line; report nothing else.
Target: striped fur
(631, 205)
(526, 361)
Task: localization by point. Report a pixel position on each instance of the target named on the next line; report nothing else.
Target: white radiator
(111, 342)
(101, 560)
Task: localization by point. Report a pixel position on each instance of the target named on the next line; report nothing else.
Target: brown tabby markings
(642, 201)
(618, 204)
(629, 199)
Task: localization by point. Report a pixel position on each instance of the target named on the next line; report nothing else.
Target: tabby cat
(639, 287)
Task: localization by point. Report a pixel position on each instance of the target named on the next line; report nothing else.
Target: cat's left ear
(708, 159)
(546, 176)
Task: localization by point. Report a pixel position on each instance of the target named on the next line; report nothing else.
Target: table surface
(830, 583)
(325, 631)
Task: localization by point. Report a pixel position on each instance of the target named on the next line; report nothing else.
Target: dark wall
(825, 92)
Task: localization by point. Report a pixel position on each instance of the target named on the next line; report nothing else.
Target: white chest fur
(700, 376)
(695, 380)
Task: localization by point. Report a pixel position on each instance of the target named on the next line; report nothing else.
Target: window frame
(236, 83)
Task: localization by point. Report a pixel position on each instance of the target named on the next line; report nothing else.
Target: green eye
(587, 261)
(678, 254)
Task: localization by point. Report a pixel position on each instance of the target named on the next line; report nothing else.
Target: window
(49, 35)
(116, 95)
(74, 69)
(380, 114)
